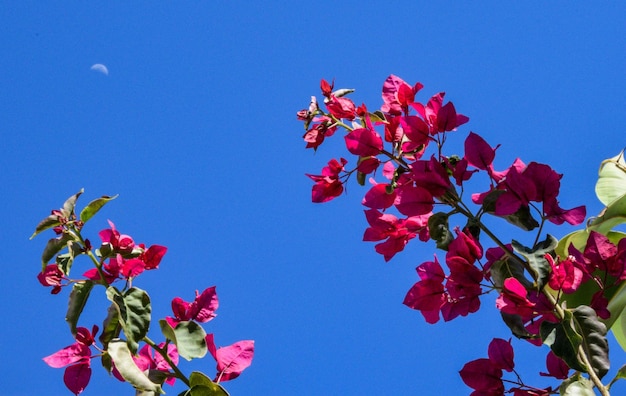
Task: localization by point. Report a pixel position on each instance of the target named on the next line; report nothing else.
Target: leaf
(70, 204)
(536, 258)
(439, 230)
(134, 313)
(201, 385)
(188, 336)
(94, 206)
(516, 324)
(111, 326)
(563, 340)
(577, 386)
(508, 268)
(124, 363)
(619, 330)
(611, 182)
(613, 215)
(78, 298)
(621, 374)
(581, 327)
(54, 246)
(48, 222)
(595, 344)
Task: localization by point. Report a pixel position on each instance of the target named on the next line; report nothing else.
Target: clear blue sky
(195, 129)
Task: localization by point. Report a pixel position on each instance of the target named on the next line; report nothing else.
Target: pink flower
(341, 107)
(484, 376)
(364, 142)
(147, 359)
(231, 360)
(120, 243)
(398, 95)
(78, 359)
(202, 309)
(396, 232)
(557, 368)
(52, 276)
(566, 274)
(513, 299)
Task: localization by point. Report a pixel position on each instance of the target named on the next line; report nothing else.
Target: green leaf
(70, 204)
(619, 330)
(378, 116)
(54, 246)
(611, 182)
(621, 374)
(577, 386)
(536, 258)
(188, 336)
(613, 215)
(439, 230)
(134, 313)
(78, 298)
(507, 268)
(563, 339)
(111, 326)
(48, 222)
(581, 327)
(201, 385)
(124, 363)
(516, 324)
(595, 344)
(94, 206)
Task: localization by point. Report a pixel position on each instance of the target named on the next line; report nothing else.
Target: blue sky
(195, 129)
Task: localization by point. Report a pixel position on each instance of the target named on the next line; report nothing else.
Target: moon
(100, 68)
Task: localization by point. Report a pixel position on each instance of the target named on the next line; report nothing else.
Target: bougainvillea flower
(77, 358)
(231, 360)
(52, 276)
(341, 107)
(556, 215)
(327, 185)
(117, 267)
(501, 354)
(315, 136)
(398, 95)
(414, 200)
(430, 175)
(120, 243)
(478, 153)
(416, 131)
(152, 256)
(483, 375)
(364, 142)
(378, 197)
(566, 274)
(202, 309)
(397, 232)
(147, 359)
(513, 299)
(557, 368)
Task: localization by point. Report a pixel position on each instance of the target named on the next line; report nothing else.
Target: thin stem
(163, 352)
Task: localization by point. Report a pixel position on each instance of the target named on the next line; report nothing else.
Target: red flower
(327, 185)
(52, 276)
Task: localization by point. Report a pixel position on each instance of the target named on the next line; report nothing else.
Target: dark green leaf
(516, 324)
(439, 230)
(78, 299)
(134, 313)
(48, 222)
(507, 268)
(111, 326)
(94, 206)
(564, 341)
(536, 258)
(66, 260)
(378, 116)
(594, 344)
(124, 363)
(54, 246)
(188, 336)
(360, 178)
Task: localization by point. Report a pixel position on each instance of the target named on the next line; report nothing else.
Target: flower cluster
(128, 318)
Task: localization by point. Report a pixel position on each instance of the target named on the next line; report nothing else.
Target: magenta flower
(513, 299)
(147, 359)
(52, 276)
(202, 309)
(77, 358)
(396, 232)
(557, 368)
(327, 185)
(120, 243)
(483, 376)
(231, 360)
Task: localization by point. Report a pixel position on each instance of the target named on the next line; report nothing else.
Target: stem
(79, 238)
(163, 352)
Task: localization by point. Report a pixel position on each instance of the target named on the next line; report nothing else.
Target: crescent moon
(99, 67)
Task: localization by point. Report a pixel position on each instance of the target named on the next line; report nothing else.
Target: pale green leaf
(78, 298)
(611, 179)
(188, 336)
(124, 363)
